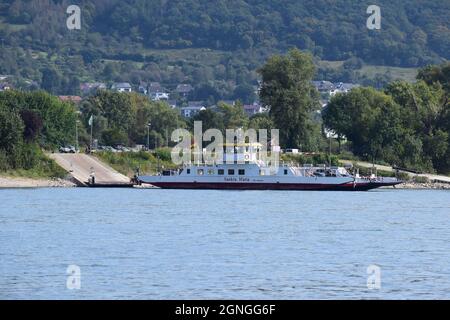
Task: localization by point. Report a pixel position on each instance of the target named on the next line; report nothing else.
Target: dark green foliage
(219, 42)
(245, 93)
(11, 129)
(261, 121)
(163, 154)
(122, 118)
(407, 125)
(29, 121)
(288, 92)
(210, 120)
(58, 118)
(114, 137)
(33, 124)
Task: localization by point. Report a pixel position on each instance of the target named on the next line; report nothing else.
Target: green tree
(369, 119)
(115, 107)
(58, 118)
(261, 121)
(234, 117)
(11, 129)
(114, 137)
(245, 93)
(51, 80)
(288, 92)
(210, 120)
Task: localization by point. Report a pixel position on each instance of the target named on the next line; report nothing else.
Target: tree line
(29, 122)
(405, 124)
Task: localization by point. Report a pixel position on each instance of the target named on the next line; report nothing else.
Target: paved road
(81, 165)
(432, 177)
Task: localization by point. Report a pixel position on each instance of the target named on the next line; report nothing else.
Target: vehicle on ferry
(243, 169)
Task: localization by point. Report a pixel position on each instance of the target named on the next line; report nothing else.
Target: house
(192, 108)
(346, 87)
(156, 92)
(143, 88)
(5, 86)
(172, 103)
(184, 89)
(89, 87)
(158, 96)
(154, 87)
(323, 86)
(74, 99)
(189, 112)
(252, 109)
(121, 87)
(342, 88)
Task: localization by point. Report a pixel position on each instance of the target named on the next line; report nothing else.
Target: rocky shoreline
(13, 182)
(424, 186)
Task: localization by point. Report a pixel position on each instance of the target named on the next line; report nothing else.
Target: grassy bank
(43, 168)
(127, 162)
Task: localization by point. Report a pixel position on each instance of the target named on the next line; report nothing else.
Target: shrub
(419, 179)
(4, 163)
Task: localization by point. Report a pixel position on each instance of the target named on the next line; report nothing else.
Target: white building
(191, 110)
(121, 87)
(252, 109)
(158, 96)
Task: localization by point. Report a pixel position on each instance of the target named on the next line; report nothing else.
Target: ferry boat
(245, 171)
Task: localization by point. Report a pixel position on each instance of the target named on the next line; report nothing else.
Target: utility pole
(330, 151)
(91, 123)
(148, 135)
(76, 135)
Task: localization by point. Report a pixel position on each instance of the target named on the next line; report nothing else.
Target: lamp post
(76, 135)
(148, 135)
(330, 151)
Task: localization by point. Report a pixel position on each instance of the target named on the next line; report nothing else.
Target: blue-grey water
(181, 244)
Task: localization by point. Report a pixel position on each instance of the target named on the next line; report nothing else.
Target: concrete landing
(80, 166)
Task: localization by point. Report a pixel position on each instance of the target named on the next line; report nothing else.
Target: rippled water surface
(180, 244)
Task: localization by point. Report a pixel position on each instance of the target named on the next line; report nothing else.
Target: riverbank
(15, 182)
(424, 186)
(20, 182)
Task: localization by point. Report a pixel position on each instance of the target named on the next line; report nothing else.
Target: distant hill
(137, 39)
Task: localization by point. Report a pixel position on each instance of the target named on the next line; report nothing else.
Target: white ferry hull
(299, 183)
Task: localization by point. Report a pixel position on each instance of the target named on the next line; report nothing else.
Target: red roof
(76, 99)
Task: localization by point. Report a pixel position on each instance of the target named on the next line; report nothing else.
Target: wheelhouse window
(241, 172)
(221, 172)
(200, 172)
(231, 172)
(210, 171)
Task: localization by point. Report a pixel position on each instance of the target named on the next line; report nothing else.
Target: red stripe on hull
(252, 186)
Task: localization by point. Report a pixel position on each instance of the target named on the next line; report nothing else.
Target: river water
(181, 244)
